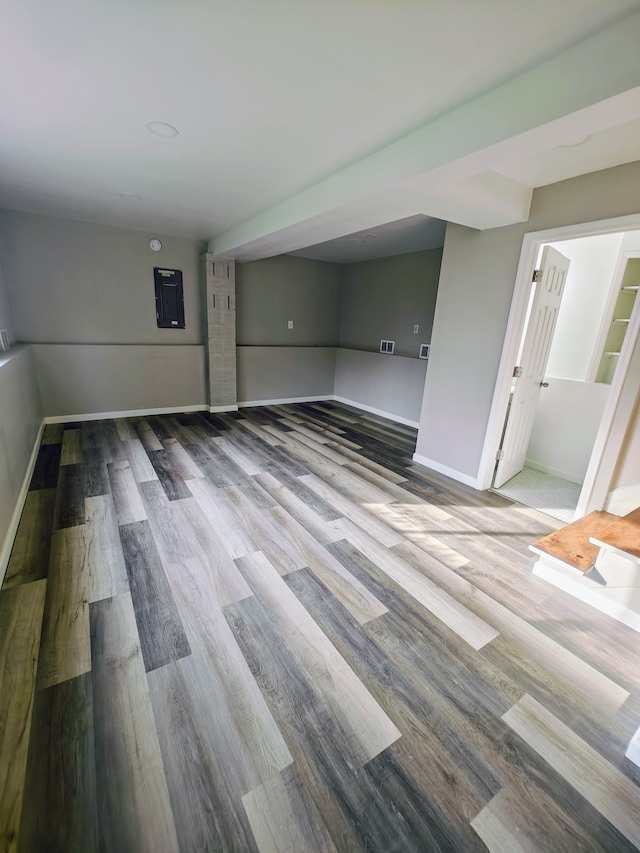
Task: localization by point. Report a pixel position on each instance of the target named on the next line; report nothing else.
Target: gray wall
(73, 282)
(474, 297)
(86, 379)
(87, 290)
(272, 291)
(20, 419)
(392, 385)
(385, 298)
(284, 373)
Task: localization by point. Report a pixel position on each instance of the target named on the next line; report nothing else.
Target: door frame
(612, 431)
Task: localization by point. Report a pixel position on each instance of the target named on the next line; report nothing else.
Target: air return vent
(424, 350)
(4, 340)
(387, 346)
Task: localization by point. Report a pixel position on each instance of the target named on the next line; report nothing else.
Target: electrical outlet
(416, 329)
(289, 324)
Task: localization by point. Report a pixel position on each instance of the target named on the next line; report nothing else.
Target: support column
(220, 278)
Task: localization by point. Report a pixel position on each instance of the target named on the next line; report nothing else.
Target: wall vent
(4, 340)
(424, 350)
(387, 346)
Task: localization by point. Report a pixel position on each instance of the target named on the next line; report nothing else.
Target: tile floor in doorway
(550, 495)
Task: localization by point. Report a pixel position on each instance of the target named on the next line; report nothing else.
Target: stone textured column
(220, 277)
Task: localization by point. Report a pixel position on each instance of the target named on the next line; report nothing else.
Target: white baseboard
(7, 545)
(130, 413)
(284, 400)
(623, 500)
(389, 415)
(448, 472)
(549, 469)
(213, 409)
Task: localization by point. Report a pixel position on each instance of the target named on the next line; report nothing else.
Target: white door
(533, 363)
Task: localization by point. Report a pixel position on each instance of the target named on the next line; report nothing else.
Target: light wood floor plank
(142, 470)
(21, 611)
(567, 667)
(608, 790)
(367, 520)
(134, 811)
(29, 559)
(71, 447)
(65, 650)
(469, 627)
(126, 498)
(103, 557)
(282, 821)
(214, 503)
(365, 726)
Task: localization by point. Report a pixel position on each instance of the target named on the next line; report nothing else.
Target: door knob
(544, 384)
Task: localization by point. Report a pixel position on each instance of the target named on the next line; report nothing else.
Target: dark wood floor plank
(45, 472)
(134, 810)
(21, 611)
(169, 476)
(95, 477)
(29, 559)
(59, 809)
(162, 636)
(365, 726)
(69, 506)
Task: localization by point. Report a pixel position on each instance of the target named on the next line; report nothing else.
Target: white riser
(622, 603)
(618, 570)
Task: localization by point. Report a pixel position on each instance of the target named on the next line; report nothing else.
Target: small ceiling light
(161, 128)
(131, 196)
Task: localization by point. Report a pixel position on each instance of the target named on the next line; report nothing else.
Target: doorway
(561, 473)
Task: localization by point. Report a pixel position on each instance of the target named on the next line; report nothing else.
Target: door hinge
(517, 372)
(499, 455)
(537, 275)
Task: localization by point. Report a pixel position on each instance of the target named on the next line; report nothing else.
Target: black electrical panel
(169, 298)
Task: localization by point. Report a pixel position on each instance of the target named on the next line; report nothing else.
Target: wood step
(571, 543)
(623, 534)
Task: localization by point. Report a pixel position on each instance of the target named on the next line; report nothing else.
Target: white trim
(12, 530)
(389, 415)
(213, 409)
(624, 499)
(444, 469)
(531, 243)
(130, 413)
(284, 400)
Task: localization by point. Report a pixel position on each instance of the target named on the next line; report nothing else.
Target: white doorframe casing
(612, 431)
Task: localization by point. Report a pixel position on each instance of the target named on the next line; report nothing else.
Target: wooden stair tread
(571, 543)
(623, 534)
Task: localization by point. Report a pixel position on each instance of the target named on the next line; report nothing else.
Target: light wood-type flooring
(271, 631)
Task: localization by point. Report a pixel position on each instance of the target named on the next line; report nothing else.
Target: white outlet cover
(416, 329)
(289, 324)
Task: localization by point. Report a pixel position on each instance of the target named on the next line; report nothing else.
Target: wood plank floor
(270, 631)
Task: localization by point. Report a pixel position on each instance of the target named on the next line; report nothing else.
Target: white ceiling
(301, 121)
